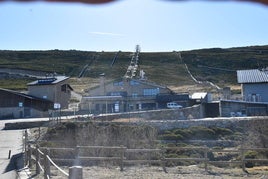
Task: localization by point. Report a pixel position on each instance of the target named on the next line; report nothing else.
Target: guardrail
(122, 160)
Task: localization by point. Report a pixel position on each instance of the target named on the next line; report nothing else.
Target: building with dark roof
(14, 104)
(43, 95)
(254, 84)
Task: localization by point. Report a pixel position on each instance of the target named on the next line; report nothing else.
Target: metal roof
(17, 93)
(49, 81)
(199, 95)
(252, 76)
(24, 95)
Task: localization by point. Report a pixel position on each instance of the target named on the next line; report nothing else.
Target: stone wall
(231, 123)
(71, 134)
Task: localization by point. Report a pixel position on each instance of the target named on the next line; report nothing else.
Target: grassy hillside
(216, 65)
(220, 65)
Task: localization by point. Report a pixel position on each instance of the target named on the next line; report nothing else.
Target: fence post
(243, 159)
(37, 156)
(122, 155)
(29, 156)
(25, 147)
(163, 161)
(9, 154)
(76, 172)
(206, 158)
(46, 164)
(77, 152)
(150, 157)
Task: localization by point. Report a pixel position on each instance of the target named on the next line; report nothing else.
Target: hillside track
(23, 72)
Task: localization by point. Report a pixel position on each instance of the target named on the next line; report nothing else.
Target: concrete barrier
(25, 125)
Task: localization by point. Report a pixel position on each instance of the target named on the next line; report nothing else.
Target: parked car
(173, 105)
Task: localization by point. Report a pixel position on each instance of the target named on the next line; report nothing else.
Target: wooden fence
(45, 166)
(122, 160)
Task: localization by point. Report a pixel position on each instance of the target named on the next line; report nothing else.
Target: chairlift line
(133, 67)
(114, 59)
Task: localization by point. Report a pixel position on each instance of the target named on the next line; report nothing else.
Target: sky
(155, 25)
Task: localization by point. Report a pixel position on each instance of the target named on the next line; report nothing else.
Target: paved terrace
(12, 141)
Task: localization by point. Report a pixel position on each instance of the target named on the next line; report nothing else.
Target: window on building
(258, 96)
(150, 91)
(118, 83)
(64, 88)
(116, 107)
(254, 97)
(115, 93)
(133, 83)
(139, 106)
(130, 107)
(134, 95)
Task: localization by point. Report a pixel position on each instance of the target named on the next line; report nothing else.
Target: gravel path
(153, 172)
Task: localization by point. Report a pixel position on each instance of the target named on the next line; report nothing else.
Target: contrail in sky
(106, 33)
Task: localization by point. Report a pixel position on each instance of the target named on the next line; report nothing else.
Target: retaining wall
(231, 123)
(195, 112)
